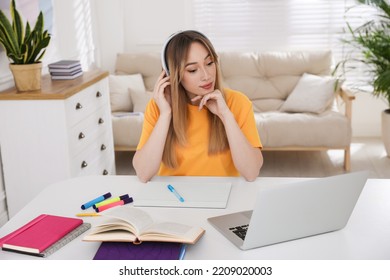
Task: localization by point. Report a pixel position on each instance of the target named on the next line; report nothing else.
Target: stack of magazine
(65, 69)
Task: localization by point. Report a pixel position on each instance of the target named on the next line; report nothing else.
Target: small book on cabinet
(65, 72)
(67, 77)
(130, 224)
(65, 64)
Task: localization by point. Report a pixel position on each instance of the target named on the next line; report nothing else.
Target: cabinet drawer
(101, 147)
(92, 165)
(105, 166)
(84, 133)
(81, 105)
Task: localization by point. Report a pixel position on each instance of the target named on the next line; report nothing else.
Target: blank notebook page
(196, 195)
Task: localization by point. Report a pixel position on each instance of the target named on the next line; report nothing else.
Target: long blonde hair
(175, 55)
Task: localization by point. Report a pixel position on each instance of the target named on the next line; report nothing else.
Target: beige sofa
(294, 99)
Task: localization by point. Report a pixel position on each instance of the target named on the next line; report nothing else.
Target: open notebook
(195, 195)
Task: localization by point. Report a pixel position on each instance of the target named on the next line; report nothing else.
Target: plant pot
(386, 130)
(27, 77)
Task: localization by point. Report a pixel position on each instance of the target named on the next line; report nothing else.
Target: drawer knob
(81, 136)
(101, 121)
(84, 164)
(79, 106)
(105, 172)
(98, 94)
(103, 147)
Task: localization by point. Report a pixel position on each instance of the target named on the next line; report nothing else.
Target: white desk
(367, 235)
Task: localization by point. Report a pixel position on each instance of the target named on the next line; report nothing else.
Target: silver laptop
(294, 210)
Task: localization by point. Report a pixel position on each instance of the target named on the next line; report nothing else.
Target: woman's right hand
(162, 93)
(147, 159)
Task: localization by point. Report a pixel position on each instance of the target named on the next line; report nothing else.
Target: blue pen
(96, 200)
(172, 190)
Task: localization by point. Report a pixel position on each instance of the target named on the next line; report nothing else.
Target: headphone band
(164, 48)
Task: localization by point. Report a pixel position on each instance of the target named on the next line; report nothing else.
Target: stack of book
(140, 237)
(65, 69)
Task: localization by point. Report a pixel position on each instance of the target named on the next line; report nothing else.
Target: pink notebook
(40, 233)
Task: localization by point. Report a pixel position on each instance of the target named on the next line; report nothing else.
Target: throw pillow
(119, 91)
(140, 99)
(312, 94)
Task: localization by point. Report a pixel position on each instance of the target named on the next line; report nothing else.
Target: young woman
(192, 125)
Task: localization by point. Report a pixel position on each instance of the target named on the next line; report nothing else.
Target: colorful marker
(108, 201)
(96, 200)
(120, 202)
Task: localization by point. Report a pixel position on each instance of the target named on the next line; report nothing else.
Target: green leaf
(17, 24)
(28, 31)
(7, 34)
(39, 24)
(38, 45)
(372, 39)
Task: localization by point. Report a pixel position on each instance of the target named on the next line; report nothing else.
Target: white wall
(6, 80)
(146, 28)
(137, 26)
(366, 115)
(109, 31)
(3, 202)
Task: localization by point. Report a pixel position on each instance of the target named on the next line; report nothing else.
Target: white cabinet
(3, 202)
(60, 132)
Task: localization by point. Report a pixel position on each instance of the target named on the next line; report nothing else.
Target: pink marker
(116, 203)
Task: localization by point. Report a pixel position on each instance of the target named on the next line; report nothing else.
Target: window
(277, 25)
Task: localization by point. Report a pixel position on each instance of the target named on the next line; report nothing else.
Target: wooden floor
(366, 154)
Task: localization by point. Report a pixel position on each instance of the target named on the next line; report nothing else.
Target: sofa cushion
(119, 86)
(140, 99)
(271, 76)
(147, 64)
(279, 129)
(312, 94)
(127, 128)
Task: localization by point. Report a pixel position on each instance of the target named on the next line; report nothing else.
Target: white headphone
(164, 49)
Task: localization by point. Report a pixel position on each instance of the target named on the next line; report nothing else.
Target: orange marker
(87, 215)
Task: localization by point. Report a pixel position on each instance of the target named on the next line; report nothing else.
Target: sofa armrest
(347, 96)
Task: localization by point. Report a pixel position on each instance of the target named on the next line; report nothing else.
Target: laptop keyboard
(240, 231)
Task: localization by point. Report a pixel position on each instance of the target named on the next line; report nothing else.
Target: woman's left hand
(214, 101)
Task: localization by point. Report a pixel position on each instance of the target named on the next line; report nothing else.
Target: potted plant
(24, 48)
(372, 39)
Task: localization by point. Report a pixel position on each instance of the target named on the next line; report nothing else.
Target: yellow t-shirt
(194, 159)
